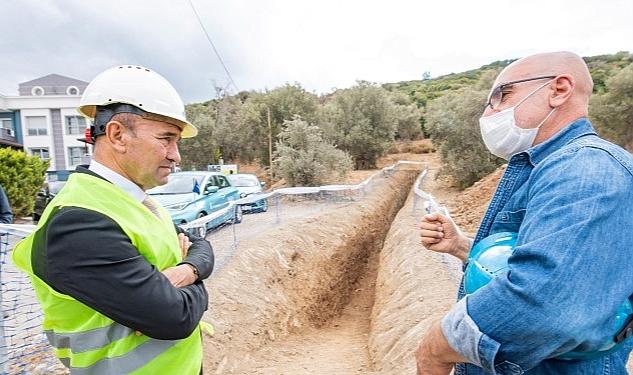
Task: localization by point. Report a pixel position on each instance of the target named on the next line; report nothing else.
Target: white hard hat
(139, 87)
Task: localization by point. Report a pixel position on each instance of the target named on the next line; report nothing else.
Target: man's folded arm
(88, 256)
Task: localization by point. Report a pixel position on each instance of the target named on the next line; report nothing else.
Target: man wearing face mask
(568, 196)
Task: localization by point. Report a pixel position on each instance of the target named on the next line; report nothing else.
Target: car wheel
(237, 218)
(200, 231)
(264, 205)
(36, 217)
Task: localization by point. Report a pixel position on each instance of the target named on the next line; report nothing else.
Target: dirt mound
(297, 277)
(470, 206)
(414, 287)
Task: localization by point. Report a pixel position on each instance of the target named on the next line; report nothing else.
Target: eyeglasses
(496, 95)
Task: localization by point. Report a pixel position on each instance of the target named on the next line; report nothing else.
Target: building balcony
(7, 137)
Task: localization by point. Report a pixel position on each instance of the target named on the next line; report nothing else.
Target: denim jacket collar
(574, 130)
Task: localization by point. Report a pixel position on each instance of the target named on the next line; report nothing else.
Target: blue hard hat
(489, 259)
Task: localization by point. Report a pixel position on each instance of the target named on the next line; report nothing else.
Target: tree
(453, 123)
(612, 112)
(304, 158)
(231, 133)
(408, 125)
(362, 121)
(199, 151)
(22, 177)
(281, 104)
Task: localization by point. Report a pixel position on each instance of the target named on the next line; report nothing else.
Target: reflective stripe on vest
(90, 340)
(129, 362)
(101, 337)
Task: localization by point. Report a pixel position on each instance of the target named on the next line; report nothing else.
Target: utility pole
(270, 144)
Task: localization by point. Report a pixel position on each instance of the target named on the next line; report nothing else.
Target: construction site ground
(367, 334)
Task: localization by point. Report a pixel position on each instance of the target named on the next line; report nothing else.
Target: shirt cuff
(464, 336)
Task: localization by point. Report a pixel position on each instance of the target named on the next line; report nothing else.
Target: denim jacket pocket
(508, 221)
(508, 368)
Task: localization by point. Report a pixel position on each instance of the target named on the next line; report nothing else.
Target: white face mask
(501, 134)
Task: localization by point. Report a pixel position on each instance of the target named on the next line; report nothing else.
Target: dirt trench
(297, 300)
(414, 288)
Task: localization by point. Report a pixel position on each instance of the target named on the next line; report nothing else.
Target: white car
(249, 184)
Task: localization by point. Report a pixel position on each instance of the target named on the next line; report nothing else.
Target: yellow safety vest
(87, 341)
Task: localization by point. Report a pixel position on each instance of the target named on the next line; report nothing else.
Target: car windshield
(55, 186)
(178, 184)
(243, 181)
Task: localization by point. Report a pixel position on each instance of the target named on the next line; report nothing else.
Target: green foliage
(362, 121)
(408, 126)
(365, 119)
(200, 150)
(604, 66)
(304, 158)
(451, 106)
(425, 90)
(21, 176)
(236, 127)
(612, 111)
(282, 104)
(452, 121)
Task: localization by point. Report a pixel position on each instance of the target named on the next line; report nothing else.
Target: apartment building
(42, 120)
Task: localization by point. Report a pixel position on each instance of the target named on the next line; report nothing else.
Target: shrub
(423, 146)
(453, 122)
(362, 120)
(303, 158)
(21, 176)
(612, 112)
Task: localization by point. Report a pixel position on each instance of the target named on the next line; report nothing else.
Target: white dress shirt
(123, 183)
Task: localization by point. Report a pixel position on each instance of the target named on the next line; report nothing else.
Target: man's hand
(184, 244)
(434, 356)
(181, 275)
(439, 233)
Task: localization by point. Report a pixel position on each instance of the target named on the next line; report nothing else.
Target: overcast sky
(321, 44)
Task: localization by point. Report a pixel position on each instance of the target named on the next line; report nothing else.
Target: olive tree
(612, 112)
(304, 158)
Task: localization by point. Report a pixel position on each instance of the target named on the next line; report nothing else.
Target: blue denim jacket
(571, 201)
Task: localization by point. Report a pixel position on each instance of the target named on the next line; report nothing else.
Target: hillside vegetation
(363, 122)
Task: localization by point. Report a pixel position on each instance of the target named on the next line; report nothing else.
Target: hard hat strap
(105, 113)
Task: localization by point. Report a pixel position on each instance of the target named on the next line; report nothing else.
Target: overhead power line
(215, 50)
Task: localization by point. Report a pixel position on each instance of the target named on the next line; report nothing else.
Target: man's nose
(173, 154)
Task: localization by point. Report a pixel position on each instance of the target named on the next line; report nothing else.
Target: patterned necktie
(152, 205)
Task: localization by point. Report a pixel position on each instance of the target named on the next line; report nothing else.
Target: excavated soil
(414, 287)
(294, 282)
(349, 292)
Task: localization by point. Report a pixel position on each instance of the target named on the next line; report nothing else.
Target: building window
(72, 90)
(42, 152)
(75, 125)
(37, 91)
(36, 125)
(6, 124)
(74, 155)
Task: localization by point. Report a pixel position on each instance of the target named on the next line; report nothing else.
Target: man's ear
(117, 135)
(563, 87)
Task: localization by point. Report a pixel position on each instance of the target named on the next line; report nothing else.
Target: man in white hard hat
(120, 288)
